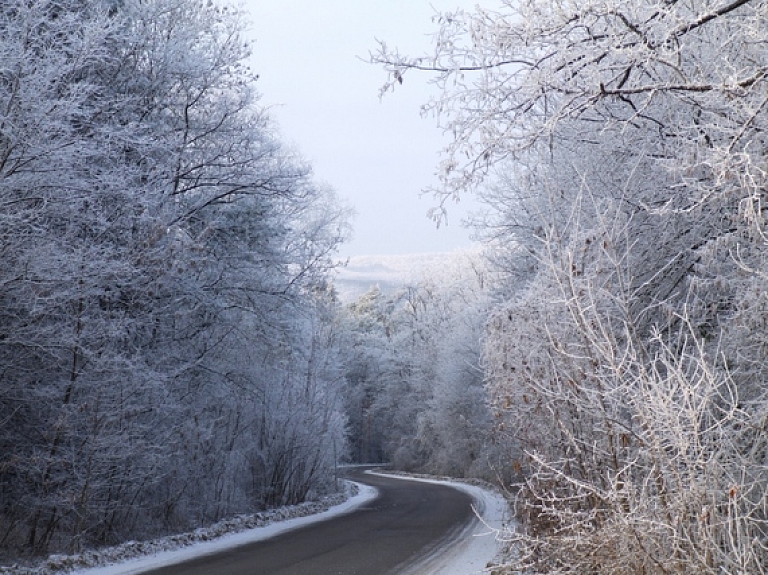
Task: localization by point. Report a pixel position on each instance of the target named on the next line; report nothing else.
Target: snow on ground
(136, 557)
(470, 552)
(364, 495)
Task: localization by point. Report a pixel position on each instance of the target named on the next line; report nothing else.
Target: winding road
(406, 523)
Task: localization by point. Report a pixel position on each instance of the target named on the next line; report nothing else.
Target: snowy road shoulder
(470, 551)
(198, 549)
(467, 552)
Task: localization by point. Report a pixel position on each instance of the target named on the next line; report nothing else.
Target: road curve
(405, 523)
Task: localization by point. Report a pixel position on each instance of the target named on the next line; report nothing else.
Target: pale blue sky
(377, 154)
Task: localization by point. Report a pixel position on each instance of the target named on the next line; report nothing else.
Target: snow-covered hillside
(389, 272)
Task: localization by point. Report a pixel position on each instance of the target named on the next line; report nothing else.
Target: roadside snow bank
(483, 541)
(137, 557)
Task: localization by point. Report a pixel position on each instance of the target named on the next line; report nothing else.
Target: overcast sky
(377, 154)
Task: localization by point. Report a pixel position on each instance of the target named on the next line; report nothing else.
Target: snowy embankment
(136, 557)
(479, 545)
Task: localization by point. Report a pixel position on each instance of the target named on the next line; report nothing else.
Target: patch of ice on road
(482, 542)
(365, 494)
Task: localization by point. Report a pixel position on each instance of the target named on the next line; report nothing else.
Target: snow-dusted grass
(480, 544)
(137, 557)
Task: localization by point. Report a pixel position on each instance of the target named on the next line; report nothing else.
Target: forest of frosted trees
(620, 146)
(173, 350)
(164, 355)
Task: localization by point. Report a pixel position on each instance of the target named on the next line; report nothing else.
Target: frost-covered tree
(626, 144)
(370, 353)
(162, 255)
(415, 386)
(512, 75)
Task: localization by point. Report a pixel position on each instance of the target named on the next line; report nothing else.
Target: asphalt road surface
(405, 523)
